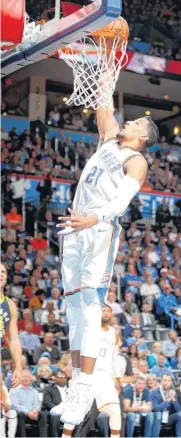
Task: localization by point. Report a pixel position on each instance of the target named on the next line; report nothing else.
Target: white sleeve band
(125, 193)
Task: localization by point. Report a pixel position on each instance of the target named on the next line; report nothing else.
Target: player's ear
(143, 139)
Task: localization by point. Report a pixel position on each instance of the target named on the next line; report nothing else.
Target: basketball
(118, 27)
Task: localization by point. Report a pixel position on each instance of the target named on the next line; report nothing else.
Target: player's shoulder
(12, 306)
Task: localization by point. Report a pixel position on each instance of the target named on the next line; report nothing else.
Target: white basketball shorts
(89, 256)
(104, 389)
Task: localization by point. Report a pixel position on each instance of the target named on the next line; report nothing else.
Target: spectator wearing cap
(171, 345)
(38, 242)
(27, 316)
(37, 301)
(29, 341)
(47, 347)
(53, 395)
(149, 291)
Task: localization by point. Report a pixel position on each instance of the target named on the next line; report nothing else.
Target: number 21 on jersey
(93, 176)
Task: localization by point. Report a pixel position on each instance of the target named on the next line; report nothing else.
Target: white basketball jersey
(104, 361)
(102, 176)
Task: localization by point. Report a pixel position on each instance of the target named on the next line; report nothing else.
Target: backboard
(58, 33)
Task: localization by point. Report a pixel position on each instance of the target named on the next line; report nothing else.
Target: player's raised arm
(107, 125)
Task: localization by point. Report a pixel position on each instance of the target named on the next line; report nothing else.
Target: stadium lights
(85, 111)
(147, 113)
(166, 97)
(175, 109)
(64, 99)
(176, 130)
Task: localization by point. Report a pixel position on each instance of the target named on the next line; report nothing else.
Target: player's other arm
(15, 345)
(106, 122)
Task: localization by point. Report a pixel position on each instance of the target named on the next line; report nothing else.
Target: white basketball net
(88, 68)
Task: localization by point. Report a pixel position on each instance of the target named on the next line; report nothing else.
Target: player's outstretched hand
(76, 222)
(16, 378)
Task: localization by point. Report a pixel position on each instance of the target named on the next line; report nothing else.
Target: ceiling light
(176, 130)
(147, 113)
(64, 99)
(175, 109)
(85, 111)
(166, 97)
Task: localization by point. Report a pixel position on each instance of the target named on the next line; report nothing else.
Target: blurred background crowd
(145, 294)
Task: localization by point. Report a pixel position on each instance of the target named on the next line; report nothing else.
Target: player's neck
(130, 143)
(105, 326)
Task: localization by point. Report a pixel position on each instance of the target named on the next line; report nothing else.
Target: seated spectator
(54, 117)
(136, 404)
(41, 315)
(38, 242)
(29, 341)
(37, 300)
(48, 347)
(7, 414)
(166, 407)
(165, 303)
(135, 323)
(55, 298)
(138, 340)
(171, 345)
(53, 395)
(27, 316)
(31, 287)
(13, 219)
(112, 300)
(152, 381)
(43, 377)
(128, 306)
(44, 361)
(176, 361)
(147, 318)
(25, 401)
(16, 289)
(132, 280)
(160, 369)
(149, 291)
(157, 349)
(143, 368)
(52, 326)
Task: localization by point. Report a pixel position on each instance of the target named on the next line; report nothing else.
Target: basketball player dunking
(109, 181)
(8, 325)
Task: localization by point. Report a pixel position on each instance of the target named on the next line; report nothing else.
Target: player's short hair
(153, 132)
(106, 305)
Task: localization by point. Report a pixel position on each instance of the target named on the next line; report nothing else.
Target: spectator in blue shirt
(135, 323)
(166, 407)
(25, 401)
(171, 345)
(138, 340)
(159, 370)
(166, 301)
(132, 280)
(137, 406)
(152, 359)
(176, 361)
(29, 341)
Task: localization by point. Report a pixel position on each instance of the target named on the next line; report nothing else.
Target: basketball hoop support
(62, 32)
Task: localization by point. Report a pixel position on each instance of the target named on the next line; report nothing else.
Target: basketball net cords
(87, 71)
